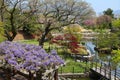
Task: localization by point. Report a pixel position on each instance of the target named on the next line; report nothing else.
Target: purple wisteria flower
(28, 57)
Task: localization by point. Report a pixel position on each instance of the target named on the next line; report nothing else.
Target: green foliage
(74, 67)
(116, 56)
(16, 17)
(1, 24)
(116, 28)
(2, 38)
(102, 40)
(116, 23)
(29, 28)
(35, 42)
(108, 40)
(109, 12)
(75, 30)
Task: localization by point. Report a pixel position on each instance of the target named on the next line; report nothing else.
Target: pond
(99, 56)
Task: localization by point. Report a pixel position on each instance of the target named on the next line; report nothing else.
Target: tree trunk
(42, 40)
(39, 75)
(7, 73)
(2, 10)
(46, 31)
(1, 16)
(31, 76)
(9, 36)
(8, 76)
(56, 75)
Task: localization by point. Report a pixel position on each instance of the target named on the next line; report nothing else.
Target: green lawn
(73, 66)
(30, 41)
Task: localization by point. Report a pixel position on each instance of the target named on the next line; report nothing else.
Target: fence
(106, 69)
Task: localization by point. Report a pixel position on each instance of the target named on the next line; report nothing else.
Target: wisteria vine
(28, 57)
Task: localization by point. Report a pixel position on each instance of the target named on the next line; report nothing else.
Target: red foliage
(57, 39)
(73, 46)
(67, 40)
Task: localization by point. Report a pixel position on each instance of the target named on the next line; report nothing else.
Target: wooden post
(100, 67)
(109, 59)
(73, 70)
(56, 75)
(115, 74)
(75, 58)
(105, 69)
(110, 73)
(96, 66)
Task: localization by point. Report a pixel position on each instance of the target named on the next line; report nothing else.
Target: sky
(102, 5)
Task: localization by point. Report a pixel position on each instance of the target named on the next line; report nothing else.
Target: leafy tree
(55, 14)
(75, 30)
(30, 28)
(90, 23)
(71, 38)
(2, 38)
(116, 24)
(116, 28)
(50, 15)
(116, 56)
(104, 22)
(107, 40)
(17, 12)
(2, 10)
(67, 40)
(71, 43)
(109, 12)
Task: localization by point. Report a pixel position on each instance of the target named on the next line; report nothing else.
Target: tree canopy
(104, 22)
(74, 30)
(55, 14)
(109, 12)
(116, 23)
(49, 15)
(116, 56)
(14, 14)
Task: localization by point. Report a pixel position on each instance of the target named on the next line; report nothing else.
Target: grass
(71, 66)
(30, 41)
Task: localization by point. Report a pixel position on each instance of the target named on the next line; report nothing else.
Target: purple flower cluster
(28, 57)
